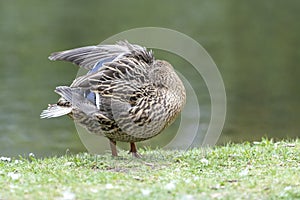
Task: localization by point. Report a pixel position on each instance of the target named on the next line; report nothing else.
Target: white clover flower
(204, 161)
(170, 186)
(244, 172)
(68, 195)
(109, 186)
(145, 192)
(31, 155)
(14, 176)
(3, 158)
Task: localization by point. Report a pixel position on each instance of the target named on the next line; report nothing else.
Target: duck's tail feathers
(55, 111)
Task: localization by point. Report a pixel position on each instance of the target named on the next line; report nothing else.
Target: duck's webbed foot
(133, 151)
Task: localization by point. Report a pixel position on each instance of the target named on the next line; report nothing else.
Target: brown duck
(127, 95)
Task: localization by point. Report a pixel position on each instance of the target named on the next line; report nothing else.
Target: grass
(258, 170)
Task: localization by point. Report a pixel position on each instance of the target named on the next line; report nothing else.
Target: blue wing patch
(100, 64)
(91, 95)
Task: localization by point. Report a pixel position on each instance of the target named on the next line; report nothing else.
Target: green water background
(255, 45)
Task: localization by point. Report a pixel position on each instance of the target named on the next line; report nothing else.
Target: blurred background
(255, 45)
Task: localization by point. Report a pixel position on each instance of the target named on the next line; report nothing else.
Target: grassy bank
(256, 170)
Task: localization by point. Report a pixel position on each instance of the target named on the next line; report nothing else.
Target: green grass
(258, 170)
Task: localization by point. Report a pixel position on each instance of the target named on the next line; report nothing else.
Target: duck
(126, 95)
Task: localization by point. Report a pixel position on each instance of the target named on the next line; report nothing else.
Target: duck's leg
(134, 151)
(113, 147)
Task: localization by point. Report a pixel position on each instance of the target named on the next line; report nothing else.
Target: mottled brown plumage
(127, 95)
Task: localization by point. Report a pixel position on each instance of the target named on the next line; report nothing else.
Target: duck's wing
(125, 89)
(93, 57)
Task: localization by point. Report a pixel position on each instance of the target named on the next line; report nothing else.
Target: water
(255, 45)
